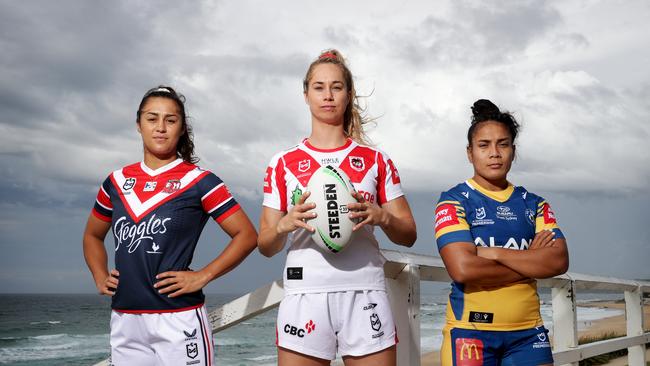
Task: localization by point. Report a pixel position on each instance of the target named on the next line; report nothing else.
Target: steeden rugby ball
(331, 190)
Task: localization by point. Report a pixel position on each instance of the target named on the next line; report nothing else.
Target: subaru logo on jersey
(149, 186)
(375, 323)
(480, 213)
(172, 185)
(192, 350)
(504, 213)
(128, 184)
(304, 165)
(357, 163)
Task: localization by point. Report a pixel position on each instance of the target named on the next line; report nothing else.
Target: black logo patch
(294, 273)
(476, 317)
(192, 350)
(375, 323)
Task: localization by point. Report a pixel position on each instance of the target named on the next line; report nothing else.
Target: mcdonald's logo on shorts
(469, 352)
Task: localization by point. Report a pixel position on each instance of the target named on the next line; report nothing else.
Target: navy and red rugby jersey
(156, 218)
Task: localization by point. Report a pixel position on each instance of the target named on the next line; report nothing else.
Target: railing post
(565, 329)
(634, 319)
(404, 293)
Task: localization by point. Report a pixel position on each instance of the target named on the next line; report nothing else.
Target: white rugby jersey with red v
(156, 218)
(310, 269)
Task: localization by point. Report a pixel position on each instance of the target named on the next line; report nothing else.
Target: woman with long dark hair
(157, 209)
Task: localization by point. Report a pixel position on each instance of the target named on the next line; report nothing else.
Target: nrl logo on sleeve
(357, 163)
(129, 183)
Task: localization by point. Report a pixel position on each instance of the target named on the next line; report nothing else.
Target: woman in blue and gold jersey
(495, 240)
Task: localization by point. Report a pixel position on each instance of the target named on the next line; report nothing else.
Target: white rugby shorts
(177, 338)
(354, 323)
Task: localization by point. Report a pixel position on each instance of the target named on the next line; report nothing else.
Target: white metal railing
(404, 271)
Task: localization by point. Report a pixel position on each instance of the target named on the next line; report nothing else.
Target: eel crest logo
(192, 350)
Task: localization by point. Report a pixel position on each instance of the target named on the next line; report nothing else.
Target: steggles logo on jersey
(150, 186)
(172, 185)
(126, 232)
(304, 165)
(128, 184)
(357, 163)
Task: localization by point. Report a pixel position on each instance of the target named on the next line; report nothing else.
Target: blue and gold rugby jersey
(507, 219)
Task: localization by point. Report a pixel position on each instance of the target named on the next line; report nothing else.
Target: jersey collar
(500, 196)
(348, 142)
(162, 169)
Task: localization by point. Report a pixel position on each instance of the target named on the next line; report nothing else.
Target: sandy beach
(594, 328)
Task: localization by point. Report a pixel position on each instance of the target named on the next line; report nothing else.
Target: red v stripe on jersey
(358, 163)
(138, 209)
(301, 165)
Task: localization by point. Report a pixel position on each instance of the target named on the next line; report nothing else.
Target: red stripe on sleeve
(281, 183)
(381, 180)
(227, 214)
(215, 198)
(100, 216)
(104, 199)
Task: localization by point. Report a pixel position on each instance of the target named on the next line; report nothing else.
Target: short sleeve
(389, 185)
(103, 208)
(545, 219)
(450, 221)
(216, 199)
(275, 186)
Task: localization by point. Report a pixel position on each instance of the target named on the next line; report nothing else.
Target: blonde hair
(354, 118)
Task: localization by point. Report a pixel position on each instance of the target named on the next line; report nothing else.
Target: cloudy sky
(72, 73)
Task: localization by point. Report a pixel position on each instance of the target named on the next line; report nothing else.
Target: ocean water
(46, 329)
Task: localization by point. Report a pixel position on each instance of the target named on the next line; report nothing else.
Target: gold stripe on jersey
(500, 196)
(514, 306)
